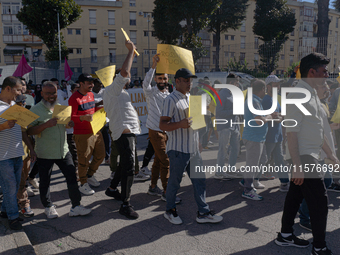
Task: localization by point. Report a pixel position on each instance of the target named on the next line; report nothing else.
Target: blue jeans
(10, 175)
(226, 136)
(276, 149)
(179, 162)
(304, 212)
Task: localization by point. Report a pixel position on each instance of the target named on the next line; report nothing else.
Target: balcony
(22, 39)
(9, 18)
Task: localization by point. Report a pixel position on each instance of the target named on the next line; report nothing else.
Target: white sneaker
(252, 195)
(141, 176)
(222, 176)
(173, 217)
(258, 184)
(146, 170)
(284, 187)
(51, 212)
(86, 189)
(112, 175)
(93, 182)
(34, 182)
(79, 210)
(30, 192)
(209, 217)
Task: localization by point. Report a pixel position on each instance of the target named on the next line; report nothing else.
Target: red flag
(67, 70)
(23, 68)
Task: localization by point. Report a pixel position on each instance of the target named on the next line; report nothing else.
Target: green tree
(179, 22)
(273, 22)
(228, 16)
(41, 19)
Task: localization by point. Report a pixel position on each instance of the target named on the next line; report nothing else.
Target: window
(256, 43)
(337, 23)
(132, 3)
(291, 60)
(153, 52)
(242, 57)
(112, 54)
(330, 32)
(214, 57)
(282, 57)
(93, 36)
(70, 50)
(226, 54)
(146, 70)
(291, 45)
(92, 16)
(153, 33)
(214, 40)
(134, 59)
(243, 42)
(146, 33)
(292, 33)
(335, 50)
(133, 36)
(256, 59)
(8, 30)
(111, 15)
(112, 36)
(132, 18)
(232, 37)
(69, 31)
(336, 36)
(79, 51)
(6, 9)
(78, 31)
(146, 52)
(334, 67)
(93, 55)
(232, 54)
(134, 71)
(226, 37)
(243, 26)
(25, 30)
(94, 69)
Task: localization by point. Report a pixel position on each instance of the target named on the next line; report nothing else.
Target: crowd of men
(78, 152)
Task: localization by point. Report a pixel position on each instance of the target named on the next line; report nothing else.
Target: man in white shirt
(124, 125)
(155, 98)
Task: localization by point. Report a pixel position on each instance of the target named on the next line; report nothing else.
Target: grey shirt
(309, 128)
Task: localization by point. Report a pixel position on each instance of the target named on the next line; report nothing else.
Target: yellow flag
(106, 75)
(23, 116)
(338, 78)
(195, 107)
(63, 113)
(298, 73)
(336, 116)
(173, 58)
(98, 120)
(128, 38)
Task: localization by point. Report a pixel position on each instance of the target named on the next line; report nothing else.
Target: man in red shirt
(87, 143)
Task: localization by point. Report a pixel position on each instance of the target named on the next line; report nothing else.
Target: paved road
(249, 227)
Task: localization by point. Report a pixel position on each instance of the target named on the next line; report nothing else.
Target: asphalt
(248, 227)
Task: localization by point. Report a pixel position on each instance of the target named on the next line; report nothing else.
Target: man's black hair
(312, 61)
(10, 81)
(258, 86)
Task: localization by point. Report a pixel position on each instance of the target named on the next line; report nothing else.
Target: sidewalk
(249, 227)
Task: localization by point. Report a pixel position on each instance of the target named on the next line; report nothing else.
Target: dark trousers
(126, 145)
(313, 190)
(34, 171)
(107, 140)
(73, 149)
(69, 171)
(149, 152)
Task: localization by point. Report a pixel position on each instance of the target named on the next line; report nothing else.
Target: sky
(312, 1)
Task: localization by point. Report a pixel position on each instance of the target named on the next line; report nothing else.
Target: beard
(48, 104)
(161, 86)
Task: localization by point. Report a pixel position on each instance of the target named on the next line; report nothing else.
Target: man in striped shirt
(11, 152)
(183, 147)
(155, 98)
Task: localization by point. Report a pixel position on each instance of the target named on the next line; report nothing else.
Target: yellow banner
(63, 113)
(173, 58)
(23, 116)
(336, 116)
(128, 38)
(106, 75)
(98, 120)
(195, 108)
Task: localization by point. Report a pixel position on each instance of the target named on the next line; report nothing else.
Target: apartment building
(96, 40)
